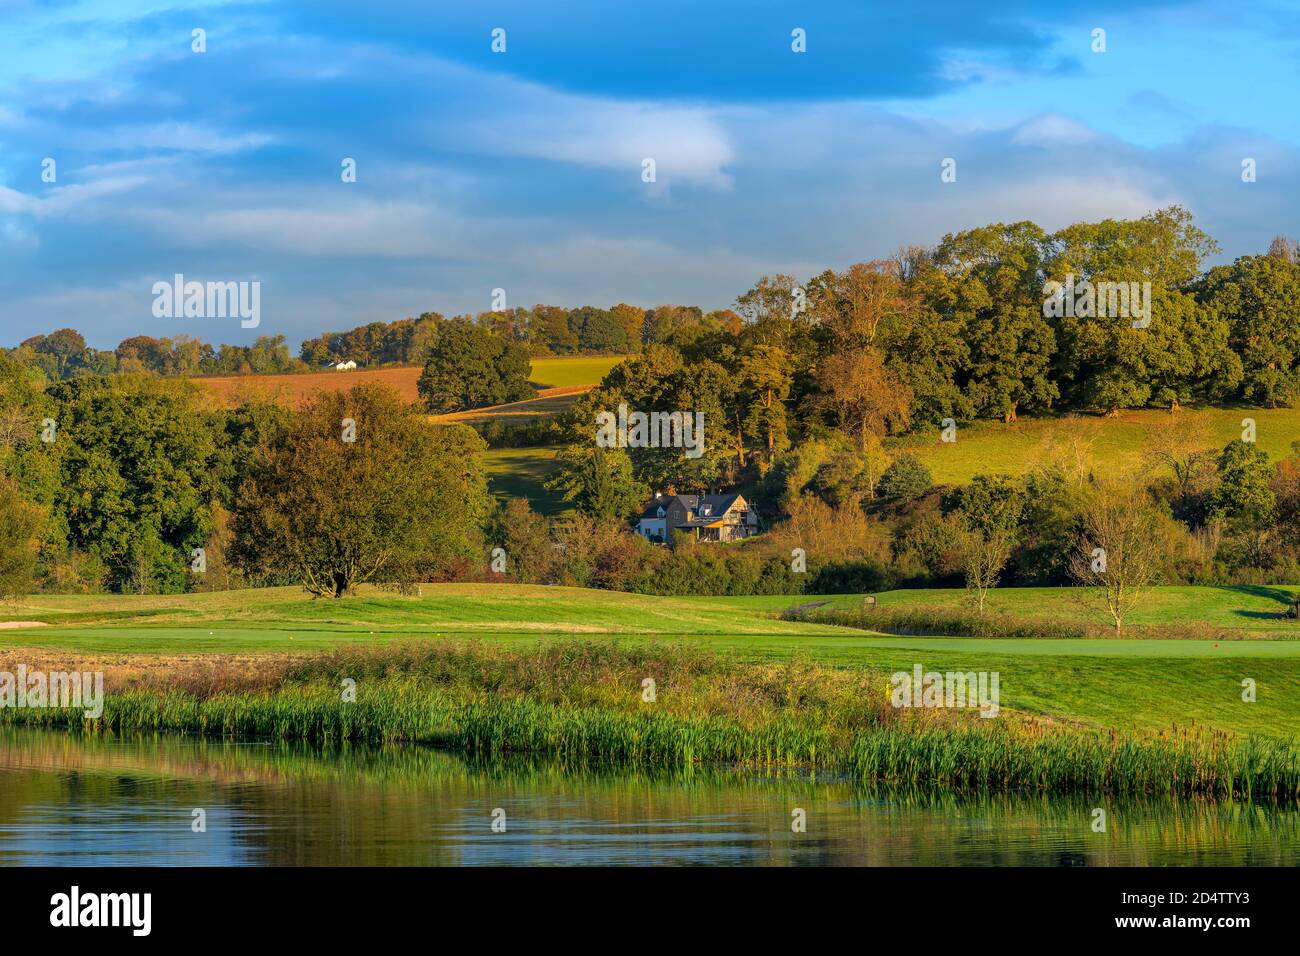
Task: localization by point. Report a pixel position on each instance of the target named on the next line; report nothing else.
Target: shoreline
(587, 702)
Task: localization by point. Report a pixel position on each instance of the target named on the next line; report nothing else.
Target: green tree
(906, 479)
(1244, 493)
(765, 378)
(598, 330)
(337, 513)
(469, 367)
(1258, 297)
(598, 481)
(1105, 362)
(20, 523)
(993, 290)
(525, 536)
(136, 482)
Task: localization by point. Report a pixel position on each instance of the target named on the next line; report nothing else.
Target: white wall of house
(653, 528)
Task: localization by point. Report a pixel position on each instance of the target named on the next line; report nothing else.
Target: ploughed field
(559, 380)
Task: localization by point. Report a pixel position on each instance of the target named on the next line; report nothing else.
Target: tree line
(134, 484)
(543, 330)
(114, 481)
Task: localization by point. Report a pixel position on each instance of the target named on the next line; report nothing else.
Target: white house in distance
(342, 366)
(707, 517)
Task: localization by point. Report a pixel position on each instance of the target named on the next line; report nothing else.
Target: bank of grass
(1114, 444)
(1134, 685)
(1189, 611)
(946, 620)
(587, 701)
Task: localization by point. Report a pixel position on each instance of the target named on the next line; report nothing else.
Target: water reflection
(71, 801)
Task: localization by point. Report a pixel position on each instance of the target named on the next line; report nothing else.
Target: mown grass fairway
(164, 623)
(1117, 443)
(1129, 684)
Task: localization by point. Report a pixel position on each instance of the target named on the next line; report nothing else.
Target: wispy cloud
(523, 170)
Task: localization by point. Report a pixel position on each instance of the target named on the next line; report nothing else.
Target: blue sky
(522, 170)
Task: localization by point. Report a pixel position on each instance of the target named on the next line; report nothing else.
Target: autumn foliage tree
(401, 499)
(864, 397)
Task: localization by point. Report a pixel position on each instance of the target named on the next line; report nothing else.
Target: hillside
(1118, 442)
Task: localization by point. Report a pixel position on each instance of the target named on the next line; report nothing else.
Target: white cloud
(184, 137)
(312, 228)
(1053, 129)
(687, 144)
(66, 199)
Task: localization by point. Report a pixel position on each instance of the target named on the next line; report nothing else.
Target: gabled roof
(717, 505)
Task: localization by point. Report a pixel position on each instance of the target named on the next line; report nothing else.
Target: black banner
(939, 905)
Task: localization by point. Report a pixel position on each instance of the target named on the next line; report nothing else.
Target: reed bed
(583, 702)
(935, 621)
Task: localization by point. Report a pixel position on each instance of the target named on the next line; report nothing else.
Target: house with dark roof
(706, 517)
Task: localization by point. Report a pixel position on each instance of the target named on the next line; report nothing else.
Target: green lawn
(1128, 684)
(266, 619)
(1118, 442)
(1256, 610)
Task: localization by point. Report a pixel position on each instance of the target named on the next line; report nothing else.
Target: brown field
(557, 380)
(295, 389)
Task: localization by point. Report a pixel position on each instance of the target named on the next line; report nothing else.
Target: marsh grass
(582, 702)
(940, 621)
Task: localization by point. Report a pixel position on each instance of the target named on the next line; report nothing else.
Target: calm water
(67, 801)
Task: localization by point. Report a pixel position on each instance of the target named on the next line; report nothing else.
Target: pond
(182, 801)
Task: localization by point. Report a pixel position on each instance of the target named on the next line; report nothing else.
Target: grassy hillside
(567, 370)
(521, 473)
(1109, 444)
(293, 390)
(1115, 443)
(547, 404)
(559, 382)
